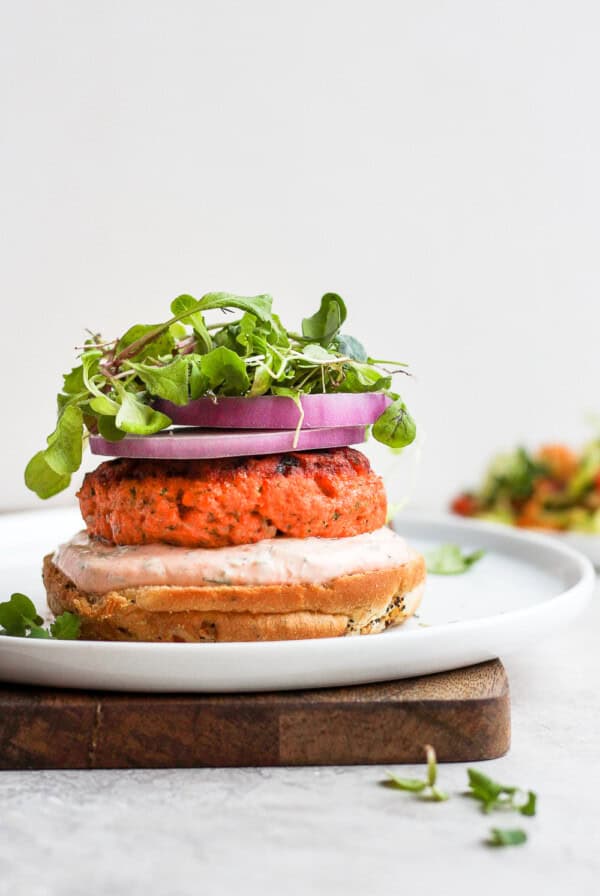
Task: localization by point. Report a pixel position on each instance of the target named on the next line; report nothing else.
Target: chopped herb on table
(19, 618)
(426, 788)
(111, 392)
(493, 795)
(506, 837)
(449, 560)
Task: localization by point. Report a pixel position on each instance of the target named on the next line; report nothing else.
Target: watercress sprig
(113, 388)
(425, 787)
(493, 795)
(506, 837)
(449, 560)
(19, 618)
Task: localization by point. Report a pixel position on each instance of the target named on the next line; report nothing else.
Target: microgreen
(425, 787)
(506, 837)
(113, 388)
(19, 618)
(323, 326)
(449, 560)
(493, 795)
(395, 427)
(65, 627)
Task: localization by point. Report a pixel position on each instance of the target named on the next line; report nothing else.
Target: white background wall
(437, 163)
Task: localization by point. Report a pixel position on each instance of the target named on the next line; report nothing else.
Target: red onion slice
(193, 444)
(279, 411)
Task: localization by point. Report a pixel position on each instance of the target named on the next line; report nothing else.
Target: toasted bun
(358, 604)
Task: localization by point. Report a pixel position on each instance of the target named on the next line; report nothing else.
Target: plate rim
(565, 606)
(582, 588)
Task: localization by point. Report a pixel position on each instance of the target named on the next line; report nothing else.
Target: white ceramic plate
(524, 588)
(582, 541)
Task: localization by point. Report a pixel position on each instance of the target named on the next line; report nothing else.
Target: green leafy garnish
(351, 347)
(449, 560)
(493, 795)
(49, 471)
(395, 427)
(169, 381)
(18, 614)
(114, 387)
(506, 837)
(426, 788)
(19, 618)
(42, 479)
(66, 627)
(134, 416)
(323, 326)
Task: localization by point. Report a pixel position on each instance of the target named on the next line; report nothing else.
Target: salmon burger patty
(213, 503)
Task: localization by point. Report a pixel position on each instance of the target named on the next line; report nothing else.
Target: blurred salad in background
(553, 488)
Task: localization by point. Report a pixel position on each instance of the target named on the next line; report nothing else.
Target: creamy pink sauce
(97, 567)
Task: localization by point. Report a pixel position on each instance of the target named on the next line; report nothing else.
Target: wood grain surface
(465, 714)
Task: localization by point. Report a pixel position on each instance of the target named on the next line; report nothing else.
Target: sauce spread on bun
(97, 567)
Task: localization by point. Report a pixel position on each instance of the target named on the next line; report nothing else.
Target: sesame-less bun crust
(357, 604)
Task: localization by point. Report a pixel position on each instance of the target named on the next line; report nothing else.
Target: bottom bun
(357, 604)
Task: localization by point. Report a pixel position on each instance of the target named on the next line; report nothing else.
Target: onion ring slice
(193, 444)
(279, 411)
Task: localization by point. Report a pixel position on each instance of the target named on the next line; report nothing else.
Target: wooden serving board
(465, 714)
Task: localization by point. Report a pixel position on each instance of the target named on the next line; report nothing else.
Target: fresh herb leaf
(351, 347)
(136, 417)
(395, 427)
(261, 382)
(186, 309)
(139, 345)
(17, 614)
(66, 627)
(225, 371)
(315, 352)
(361, 377)
(42, 479)
(493, 795)
(64, 450)
(73, 382)
(19, 618)
(413, 785)
(246, 333)
(102, 404)
(109, 430)
(169, 381)
(529, 808)
(183, 304)
(449, 560)
(426, 788)
(198, 382)
(324, 325)
(506, 837)
(49, 471)
(36, 631)
(260, 306)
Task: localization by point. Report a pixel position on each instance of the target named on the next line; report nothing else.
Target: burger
(234, 508)
(273, 547)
